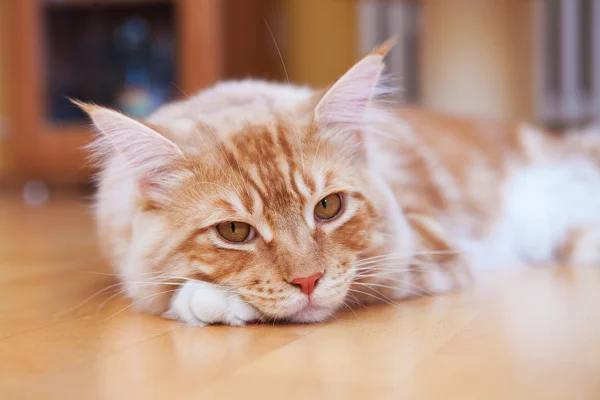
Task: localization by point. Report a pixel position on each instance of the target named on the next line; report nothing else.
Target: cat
(257, 201)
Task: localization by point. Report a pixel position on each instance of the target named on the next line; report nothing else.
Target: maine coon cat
(260, 201)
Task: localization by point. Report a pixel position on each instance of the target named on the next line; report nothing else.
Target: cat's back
(452, 138)
(449, 165)
(508, 192)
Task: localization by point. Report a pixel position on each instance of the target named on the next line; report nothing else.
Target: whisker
(100, 273)
(138, 301)
(99, 308)
(82, 303)
(375, 297)
(384, 277)
(368, 286)
(394, 266)
(414, 253)
(408, 255)
(349, 308)
(99, 292)
(140, 284)
(391, 274)
(403, 264)
(420, 290)
(287, 77)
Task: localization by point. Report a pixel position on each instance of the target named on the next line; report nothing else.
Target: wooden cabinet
(70, 48)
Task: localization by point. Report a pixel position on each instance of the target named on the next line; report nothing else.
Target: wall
(477, 57)
(320, 38)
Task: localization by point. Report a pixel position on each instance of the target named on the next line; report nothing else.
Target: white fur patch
(541, 204)
(200, 303)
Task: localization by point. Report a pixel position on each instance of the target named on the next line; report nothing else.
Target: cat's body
(425, 196)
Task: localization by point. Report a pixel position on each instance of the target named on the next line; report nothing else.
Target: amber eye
(235, 231)
(329, 206)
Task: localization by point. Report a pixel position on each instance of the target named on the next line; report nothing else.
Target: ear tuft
(149, 154)
(385, 47)
(85, 107)
(345, 103)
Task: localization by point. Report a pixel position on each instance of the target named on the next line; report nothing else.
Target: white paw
(201, 303)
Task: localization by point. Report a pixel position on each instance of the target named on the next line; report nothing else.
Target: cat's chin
(310, 314)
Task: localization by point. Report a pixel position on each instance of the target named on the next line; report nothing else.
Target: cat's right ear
(150, 155)
(344, 106)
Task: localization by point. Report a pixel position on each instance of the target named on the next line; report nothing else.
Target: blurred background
(506, 59)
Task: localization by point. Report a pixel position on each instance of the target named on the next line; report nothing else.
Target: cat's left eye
(329, 207)
(235, 231)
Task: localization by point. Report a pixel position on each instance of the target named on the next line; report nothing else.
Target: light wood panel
(529, 333)
(201, 46)
(477, 57)
(320, 40)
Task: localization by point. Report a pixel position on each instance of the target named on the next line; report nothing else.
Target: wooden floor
(520, 334)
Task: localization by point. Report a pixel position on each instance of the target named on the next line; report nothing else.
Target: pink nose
(307, 284)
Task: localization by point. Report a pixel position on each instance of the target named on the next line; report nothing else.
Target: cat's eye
(329, 206)
(234, 231)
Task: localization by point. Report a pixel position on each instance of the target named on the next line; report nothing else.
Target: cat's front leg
(200, 303)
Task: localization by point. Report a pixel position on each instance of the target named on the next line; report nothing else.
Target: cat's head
(278, 213)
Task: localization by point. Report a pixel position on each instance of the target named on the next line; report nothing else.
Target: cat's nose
(307, 285)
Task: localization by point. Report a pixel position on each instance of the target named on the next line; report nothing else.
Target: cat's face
(277, 212)
(271, 207)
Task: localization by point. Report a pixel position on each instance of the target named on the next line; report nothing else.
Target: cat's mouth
(316, 308)
(311, 312)
(303, 309)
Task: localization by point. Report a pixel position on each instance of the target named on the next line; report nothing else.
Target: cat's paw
(201, 303)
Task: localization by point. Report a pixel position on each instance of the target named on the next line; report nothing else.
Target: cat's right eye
(235, 231)
(329, 207)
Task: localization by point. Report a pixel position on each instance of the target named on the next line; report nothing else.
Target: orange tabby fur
(264, 154)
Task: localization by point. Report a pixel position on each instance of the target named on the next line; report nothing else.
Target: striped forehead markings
(271, 160)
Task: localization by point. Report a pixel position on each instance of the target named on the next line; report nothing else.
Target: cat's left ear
(152, 158)
(343, 106)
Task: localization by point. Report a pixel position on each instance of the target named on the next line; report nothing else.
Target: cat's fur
(424, 195)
